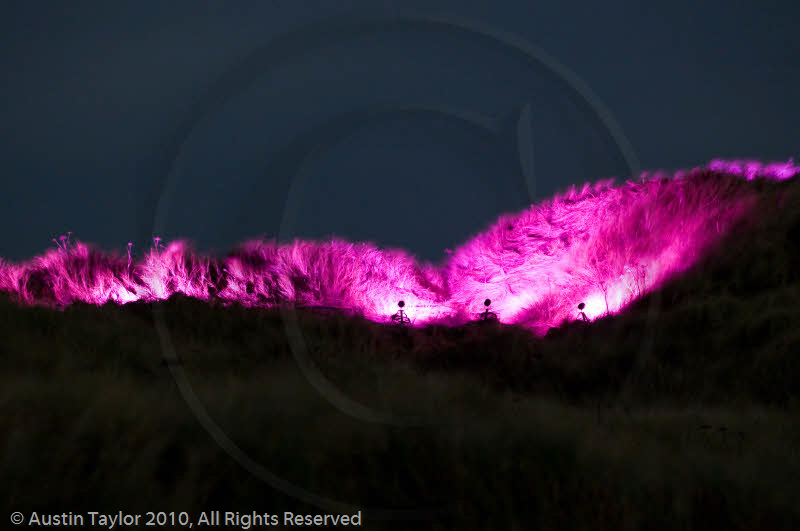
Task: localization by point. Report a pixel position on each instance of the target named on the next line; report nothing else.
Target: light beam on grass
(602, 244)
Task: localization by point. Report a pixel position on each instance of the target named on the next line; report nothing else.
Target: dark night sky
(406, 135)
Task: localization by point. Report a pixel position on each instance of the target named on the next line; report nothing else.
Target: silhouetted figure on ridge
(581, 314)
(400, 317)
(487, 315)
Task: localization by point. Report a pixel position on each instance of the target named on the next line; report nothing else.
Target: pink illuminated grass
(603, 244)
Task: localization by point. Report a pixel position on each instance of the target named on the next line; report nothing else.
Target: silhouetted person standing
(581, 314)
(400, 317)
(487, 315)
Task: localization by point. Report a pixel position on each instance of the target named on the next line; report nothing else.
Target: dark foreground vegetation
(682, 413)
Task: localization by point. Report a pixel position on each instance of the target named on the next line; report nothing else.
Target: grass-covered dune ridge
(585, 428)
(604, 244)
(680, 412)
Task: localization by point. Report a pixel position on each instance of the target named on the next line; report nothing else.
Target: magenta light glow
(603, 245)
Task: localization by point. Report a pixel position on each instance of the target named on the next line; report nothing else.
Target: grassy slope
(681, 413)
